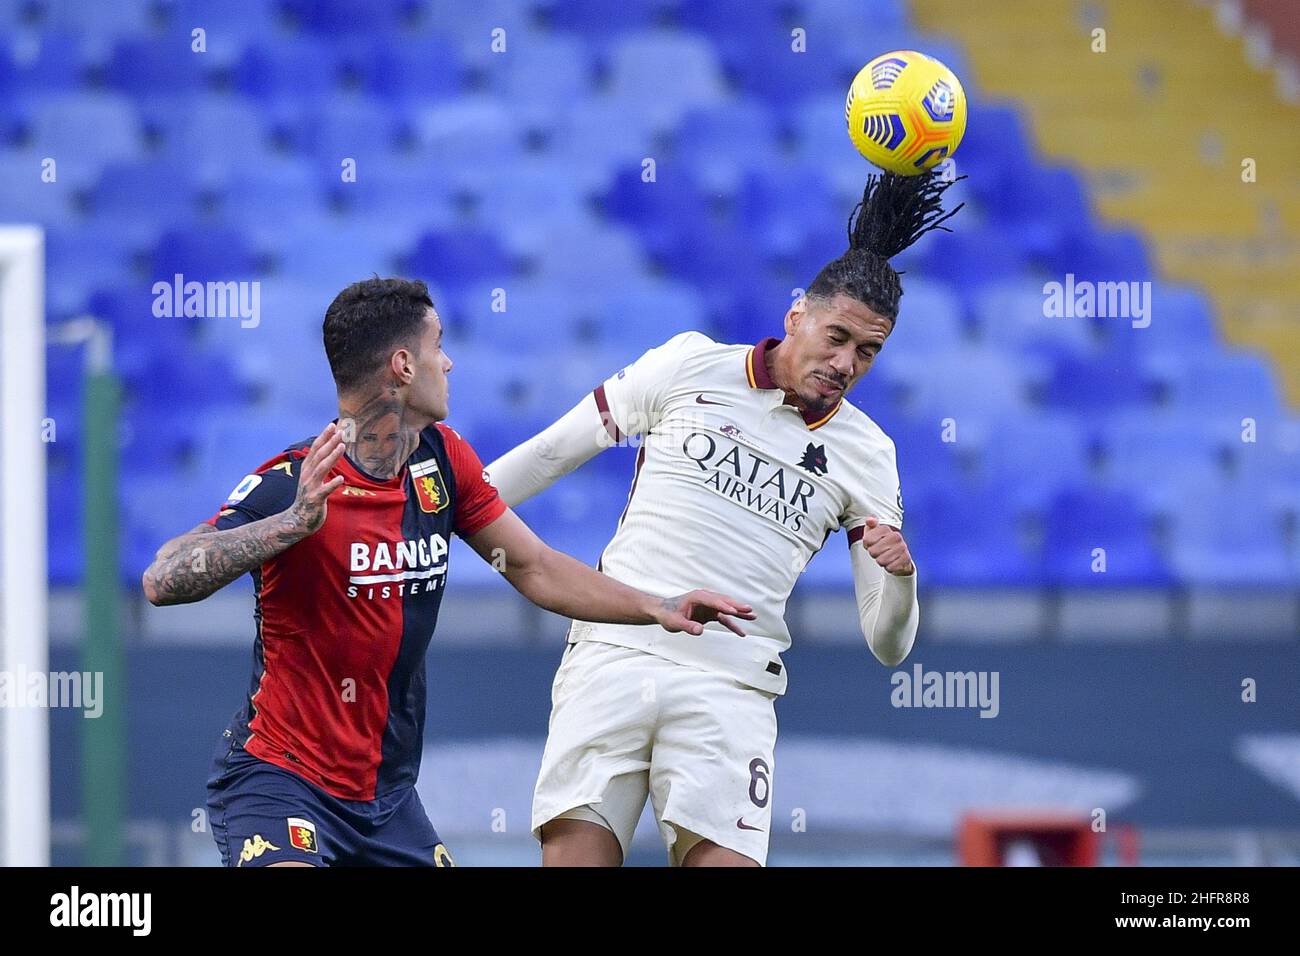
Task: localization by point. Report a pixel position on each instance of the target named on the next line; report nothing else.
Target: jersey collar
(758, 376)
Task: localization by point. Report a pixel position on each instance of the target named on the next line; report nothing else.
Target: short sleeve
(632, 401)
(267, 491)
(477, 502)
(877, 493)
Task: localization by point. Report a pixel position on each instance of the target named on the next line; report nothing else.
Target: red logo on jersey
(302, 834)
(429, 487)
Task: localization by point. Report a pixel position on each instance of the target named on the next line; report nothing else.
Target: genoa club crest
(429, 486)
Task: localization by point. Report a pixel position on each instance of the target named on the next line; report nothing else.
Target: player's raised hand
(691, 611)
(888, 548)
(308, 508)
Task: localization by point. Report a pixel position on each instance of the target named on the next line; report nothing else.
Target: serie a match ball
(906, 112)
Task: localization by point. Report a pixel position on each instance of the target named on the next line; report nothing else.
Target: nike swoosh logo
(745, 826)
(701, 400)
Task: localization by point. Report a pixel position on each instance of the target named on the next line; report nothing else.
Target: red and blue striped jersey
(344, 617)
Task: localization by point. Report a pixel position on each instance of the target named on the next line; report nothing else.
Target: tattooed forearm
(201, 562)
(376, 434)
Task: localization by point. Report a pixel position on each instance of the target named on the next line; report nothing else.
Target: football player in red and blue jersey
(346, 537)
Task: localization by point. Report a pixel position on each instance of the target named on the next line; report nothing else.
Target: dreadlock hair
(894, 212)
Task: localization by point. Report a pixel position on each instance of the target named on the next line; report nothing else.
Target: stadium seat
(1011, 316)
(413, 70)
(216, 254)
(166, 191)
(1082, 520)
(141, 65)
(44, 63)
(661, 75)
(721, 144)
(84, 132)
(24, 195)
(299, 67)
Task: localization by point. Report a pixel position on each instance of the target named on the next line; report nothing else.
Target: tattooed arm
(200, 562)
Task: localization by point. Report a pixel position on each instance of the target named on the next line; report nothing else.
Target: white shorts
(627, 724)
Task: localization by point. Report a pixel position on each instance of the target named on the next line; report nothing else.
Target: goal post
(24, 638)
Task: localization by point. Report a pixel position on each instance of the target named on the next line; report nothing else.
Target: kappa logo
(302, 835)
(814, 459)
(254, 847)
(359, 492)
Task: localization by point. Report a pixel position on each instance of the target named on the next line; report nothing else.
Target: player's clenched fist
(308, 508)
(888, 548)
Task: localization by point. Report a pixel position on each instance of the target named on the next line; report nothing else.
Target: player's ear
(798, 309)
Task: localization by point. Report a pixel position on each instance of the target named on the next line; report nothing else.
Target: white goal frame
(24, 585)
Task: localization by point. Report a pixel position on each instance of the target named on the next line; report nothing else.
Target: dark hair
(367, 320)
(894, 212)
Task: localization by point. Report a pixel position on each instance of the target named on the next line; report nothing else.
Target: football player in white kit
(749, 459)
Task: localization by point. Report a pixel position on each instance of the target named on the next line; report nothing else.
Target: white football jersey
(735, 490)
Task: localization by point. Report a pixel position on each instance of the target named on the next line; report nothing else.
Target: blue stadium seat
(282, 197)
(161, 190)
(100, 19)
(529, 200)
(768, 68)
(331, 18)
(341, 256)
(532, 315)
(469, 130)
(598, 20)
(45, 62)
(640, 314)
(1241, 545)
(1011, 316)
(409, 196)
(1085, 519)
(1181, 320)
(204, 254)
(24, 194)
(1159, 456)
(1117, 255)
(1097, 382)
(94, 256)
(143, 65)
(139, 336)
(661, 211)
(365, 129)
(1227, 385)
(586, 253)
(721, 144)
(1032, 457)
(301, 67)
(233, 22)
(793, 214)
(660, 75)
(542, 70)
(599, 132)
(938, 526)
(959, 382)
(459, 258)
(412, 70)
(84, 132)
(970, 257)
(212, 134)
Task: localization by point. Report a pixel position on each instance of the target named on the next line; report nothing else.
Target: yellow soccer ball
(906, 112)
